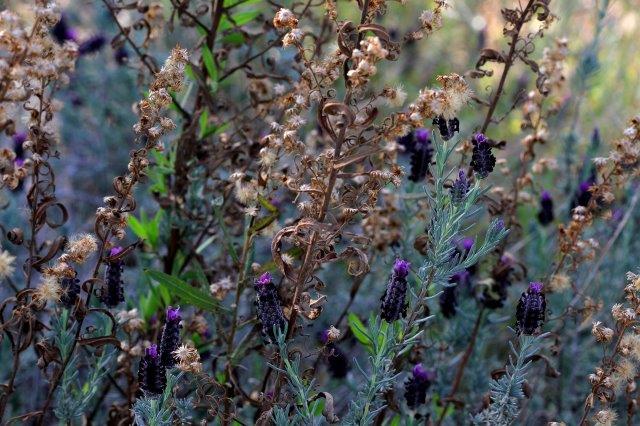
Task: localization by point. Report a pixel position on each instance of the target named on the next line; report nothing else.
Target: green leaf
(240, 18)
(203, 121)
(358, 329)
(185, 292)
(210, 65)
(137, 227)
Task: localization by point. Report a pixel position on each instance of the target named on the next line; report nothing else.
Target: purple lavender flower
(545, 214)
(407, 141)
(18, 140)
(151, 373)
(447, 128)
(460, 187)
(421, 155)
(416, 386)
(393, 304)
(62, 31)
(269, 306)
(170, 339)
(530, 312)
(112, 293)
(482, 160)
(92, 44)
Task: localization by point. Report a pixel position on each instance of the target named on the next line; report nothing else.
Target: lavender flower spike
(269, 306)
(482, 160)
(393, 301)
(151, 374)
(530, 313)
(416, 386)
(170, 339)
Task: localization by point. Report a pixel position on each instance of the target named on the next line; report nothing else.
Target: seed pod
(269, 307)
(170, 339)
(416, 386)
(482, 160)
(151, 374)
(531, 310)
(393, 301)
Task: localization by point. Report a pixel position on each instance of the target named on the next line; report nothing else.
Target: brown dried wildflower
(284, 19)
(188, 359)
(79, 248)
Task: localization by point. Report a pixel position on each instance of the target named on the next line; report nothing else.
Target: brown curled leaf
(344, 33)
(58, 245)
(329, 411)
(339, 109)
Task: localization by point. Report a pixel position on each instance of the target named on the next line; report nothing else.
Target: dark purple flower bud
(447, 128)
(482, 160)
(112, 293)
(18, 139)
(407, 141)
(416, 386)
(170, 339)
(545, 214)
(337, 361)
(121, 55)
(151, 373)
(466, 243)
(92, 45)
(70, 291)
(62, 31)
(448, 300)
(462, 248)
(269, 306)
(393, 301)
(617, 215)
(531, 309)
(460, 187)
(583, 195)
(421, 156)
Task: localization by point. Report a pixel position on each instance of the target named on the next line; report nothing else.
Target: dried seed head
(6, 264)
(188, 359)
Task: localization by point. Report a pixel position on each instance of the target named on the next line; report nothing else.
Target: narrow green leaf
(137, 227)
(210, 65)
(185, 292)
(358, 329)
(240, 19)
